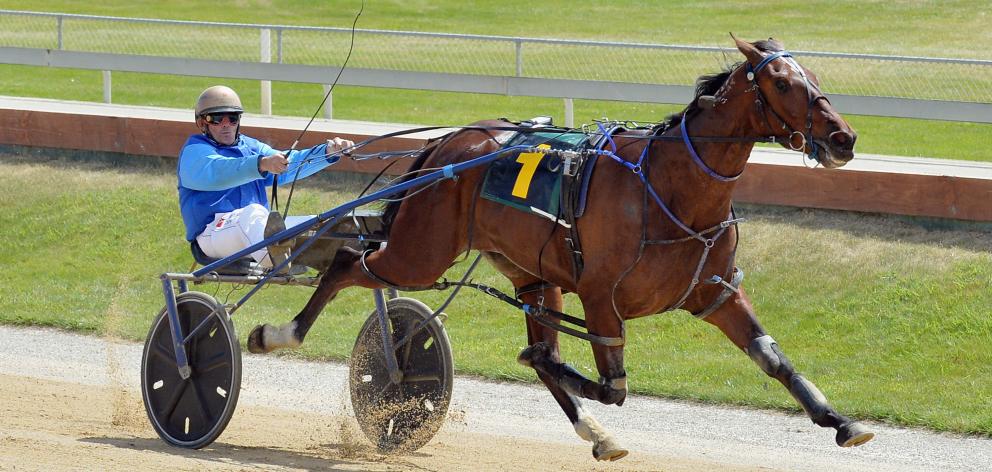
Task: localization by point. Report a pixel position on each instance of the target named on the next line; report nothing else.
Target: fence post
(328, 108)
(265, 39)
(569, 114)
(520, 57)
(106, 86)
(59, 27)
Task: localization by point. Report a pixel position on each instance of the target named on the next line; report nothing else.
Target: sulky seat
(239, 267)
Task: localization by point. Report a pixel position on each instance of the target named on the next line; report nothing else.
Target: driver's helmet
(218, 99)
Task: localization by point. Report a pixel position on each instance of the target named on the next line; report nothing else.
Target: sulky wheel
(407, 415)
(192, 412)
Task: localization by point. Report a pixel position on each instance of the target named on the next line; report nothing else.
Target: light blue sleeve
(265, 149)
(306, 162)
(201, 168)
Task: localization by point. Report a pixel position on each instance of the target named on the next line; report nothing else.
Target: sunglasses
(218, 118)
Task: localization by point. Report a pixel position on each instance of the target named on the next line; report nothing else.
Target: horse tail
(393, 206)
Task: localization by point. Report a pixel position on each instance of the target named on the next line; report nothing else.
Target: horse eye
(781, 85)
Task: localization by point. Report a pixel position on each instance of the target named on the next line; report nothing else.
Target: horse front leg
(736, 319)
(566, 383)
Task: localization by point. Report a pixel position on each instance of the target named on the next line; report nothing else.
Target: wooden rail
(161, 132)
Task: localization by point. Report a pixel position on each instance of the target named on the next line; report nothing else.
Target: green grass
(901, 27)
(957, 29)
(888, 318)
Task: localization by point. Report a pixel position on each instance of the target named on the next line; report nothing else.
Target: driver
(223, 175)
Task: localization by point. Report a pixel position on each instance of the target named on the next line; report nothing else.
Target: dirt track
(56, 426)
(70, 402)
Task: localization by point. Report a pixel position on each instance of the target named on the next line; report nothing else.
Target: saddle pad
(531, 181)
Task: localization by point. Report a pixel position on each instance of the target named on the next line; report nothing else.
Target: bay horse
(657, 225)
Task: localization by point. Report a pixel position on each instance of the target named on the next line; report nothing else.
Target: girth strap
(574, 176)
(569, 196)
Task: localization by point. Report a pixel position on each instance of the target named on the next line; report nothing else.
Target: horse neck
(697, 197)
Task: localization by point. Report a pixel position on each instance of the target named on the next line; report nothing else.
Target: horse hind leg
(736, 319)
(420, 254)
(542, 354)
(401, 263)
(267, 338)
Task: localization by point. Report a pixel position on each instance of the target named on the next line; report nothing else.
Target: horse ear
(750, 52)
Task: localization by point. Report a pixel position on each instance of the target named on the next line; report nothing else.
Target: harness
(707, 237)
(717, 231)
(637, 168)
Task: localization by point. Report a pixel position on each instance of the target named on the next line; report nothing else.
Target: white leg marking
(604, 446)
(588, 428)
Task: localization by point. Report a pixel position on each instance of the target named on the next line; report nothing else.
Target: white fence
(897, 86)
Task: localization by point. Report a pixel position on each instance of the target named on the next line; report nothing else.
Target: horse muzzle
(837, 149)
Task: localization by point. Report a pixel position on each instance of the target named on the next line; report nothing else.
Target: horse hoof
(608, 450)
(532, 353)
(853, 434)
(524, 357)
(255, 343)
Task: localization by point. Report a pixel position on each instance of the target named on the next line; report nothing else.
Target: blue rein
(751, 73)
(638, 169)
(699, 161)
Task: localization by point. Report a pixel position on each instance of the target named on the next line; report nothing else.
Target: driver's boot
(278, 251)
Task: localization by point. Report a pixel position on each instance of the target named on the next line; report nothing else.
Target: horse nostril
(843, 139)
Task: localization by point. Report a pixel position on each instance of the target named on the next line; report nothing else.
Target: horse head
(791, 105)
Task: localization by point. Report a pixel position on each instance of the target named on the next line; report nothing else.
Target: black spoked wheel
(407, 415)
(193, 412)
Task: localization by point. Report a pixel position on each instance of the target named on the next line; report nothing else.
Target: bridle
(709, 236)
(813, 93)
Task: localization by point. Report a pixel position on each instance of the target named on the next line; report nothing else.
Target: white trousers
(231, 232)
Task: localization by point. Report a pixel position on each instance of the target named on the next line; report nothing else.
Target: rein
(292, 186)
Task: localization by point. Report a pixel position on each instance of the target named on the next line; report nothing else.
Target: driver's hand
(336, 145)
(275, 163)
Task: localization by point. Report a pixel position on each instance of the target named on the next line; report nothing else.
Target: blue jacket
(218, 179)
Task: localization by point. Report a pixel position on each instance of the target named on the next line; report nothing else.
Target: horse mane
(710, 84)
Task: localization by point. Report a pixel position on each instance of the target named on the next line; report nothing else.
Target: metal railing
(918, 87)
